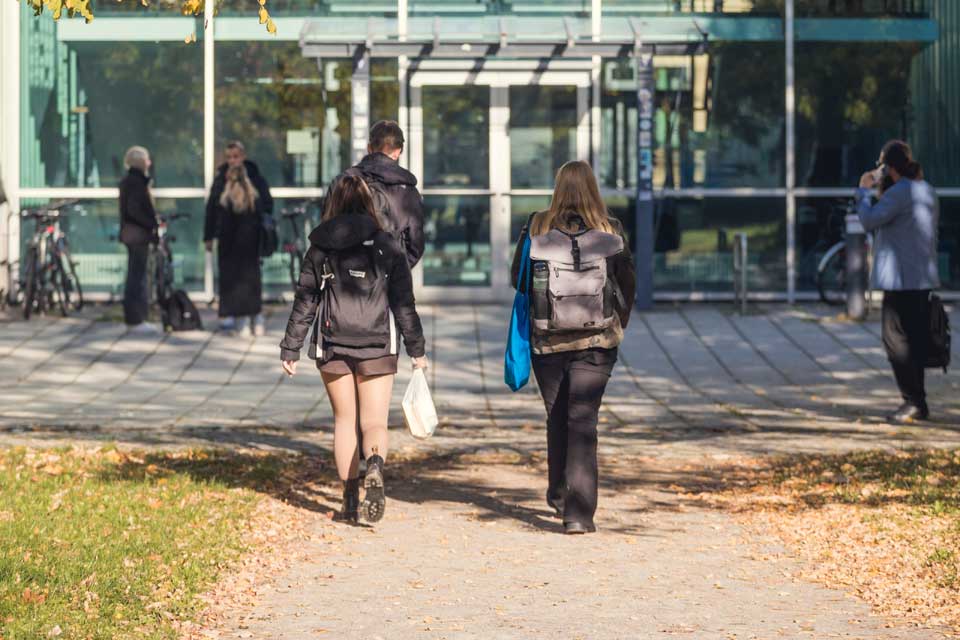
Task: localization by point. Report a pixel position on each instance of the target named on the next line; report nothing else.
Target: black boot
(350, 510)
(374, 498)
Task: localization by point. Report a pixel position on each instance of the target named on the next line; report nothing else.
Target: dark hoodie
(333, 237)
(404, 220)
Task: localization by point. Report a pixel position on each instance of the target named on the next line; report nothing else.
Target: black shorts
(342, 365)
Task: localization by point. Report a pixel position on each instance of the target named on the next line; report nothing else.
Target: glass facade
(487, 143)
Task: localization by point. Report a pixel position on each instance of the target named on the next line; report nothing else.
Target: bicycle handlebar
(170, 217)
(54, 210)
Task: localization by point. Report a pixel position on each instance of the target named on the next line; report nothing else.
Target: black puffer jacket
(138, 219)
(405, 219)
(332, 241)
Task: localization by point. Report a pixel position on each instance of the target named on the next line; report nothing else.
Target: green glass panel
(456, 138)
(457, 229)
(92, 227)
(84, 103)
(543, 133)
(718, 119)
(694, 241)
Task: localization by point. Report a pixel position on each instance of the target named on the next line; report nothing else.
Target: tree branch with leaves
(82, 8)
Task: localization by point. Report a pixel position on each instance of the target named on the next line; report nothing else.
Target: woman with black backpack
(356, 291)
(582, 288)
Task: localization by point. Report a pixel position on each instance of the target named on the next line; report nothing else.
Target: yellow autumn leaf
(264, 16)
(271, 27)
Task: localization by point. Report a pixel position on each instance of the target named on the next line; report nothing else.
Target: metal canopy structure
(501, 37)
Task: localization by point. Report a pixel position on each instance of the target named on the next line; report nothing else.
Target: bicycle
(49, 275)
(832, 269)
(161, 274)
(298, 246)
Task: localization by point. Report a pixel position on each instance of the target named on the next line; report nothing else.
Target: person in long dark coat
(138, 228)
(238, 198)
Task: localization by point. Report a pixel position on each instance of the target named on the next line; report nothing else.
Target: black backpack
(354, 310)
(269, 240)
(180, 314)
(938, 351)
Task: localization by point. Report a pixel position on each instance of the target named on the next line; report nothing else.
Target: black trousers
(906, 335)
(136, 305)
(572, 384)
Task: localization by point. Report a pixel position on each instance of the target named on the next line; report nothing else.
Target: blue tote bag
(516, 361)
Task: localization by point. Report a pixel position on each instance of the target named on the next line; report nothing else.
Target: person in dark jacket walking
(572, 366)
(234, 220)
(397, 202)
(138, 228)
(905, 220)
(357, 276)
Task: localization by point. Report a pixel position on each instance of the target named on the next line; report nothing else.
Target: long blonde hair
(575, 193)
(239, 194)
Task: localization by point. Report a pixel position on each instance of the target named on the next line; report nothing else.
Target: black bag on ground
(269, 241)
(938, 352)
(180, 314)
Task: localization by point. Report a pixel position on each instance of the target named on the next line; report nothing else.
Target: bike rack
(740, 271)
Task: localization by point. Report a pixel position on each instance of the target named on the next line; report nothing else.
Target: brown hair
(897, 155)
(575, 192)
(350, 194)
(386, 136)
(239, 194)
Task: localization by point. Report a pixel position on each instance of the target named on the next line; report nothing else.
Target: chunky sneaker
(350, 510)
(374, 499)
(908, 413)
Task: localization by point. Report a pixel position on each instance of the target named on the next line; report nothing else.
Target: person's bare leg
(374, 395)
(342, 391)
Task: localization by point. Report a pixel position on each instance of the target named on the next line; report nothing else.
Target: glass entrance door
(485, 144)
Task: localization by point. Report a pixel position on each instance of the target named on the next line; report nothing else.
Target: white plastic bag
(418, 410)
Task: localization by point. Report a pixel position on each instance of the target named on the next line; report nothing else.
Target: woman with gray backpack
(581, 282)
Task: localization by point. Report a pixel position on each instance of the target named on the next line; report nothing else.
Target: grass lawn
(106, 544)
(884, 526)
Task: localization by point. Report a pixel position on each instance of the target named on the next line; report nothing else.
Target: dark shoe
(350, 510)
(577, 528)
(556, 503)
(374, 498)
(908, 413)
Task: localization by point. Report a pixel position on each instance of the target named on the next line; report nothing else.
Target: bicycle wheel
(70, 283)
(832, 275)
(30, 283)
(295, 263)
(56, 295)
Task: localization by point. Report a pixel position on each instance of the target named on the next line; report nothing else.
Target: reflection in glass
(820, 226)
(857, 8)
(694, 241)
(668, 7)
(313, 8)
(456, 139)
(293, 120)
(477, 8)
(899, 90)
(457, 230)
(92, 229)
(295, 219)
(86, 103)
(521, 207)
(543, 134)
(718, 120)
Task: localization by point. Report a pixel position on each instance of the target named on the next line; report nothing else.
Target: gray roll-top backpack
(572, 290)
